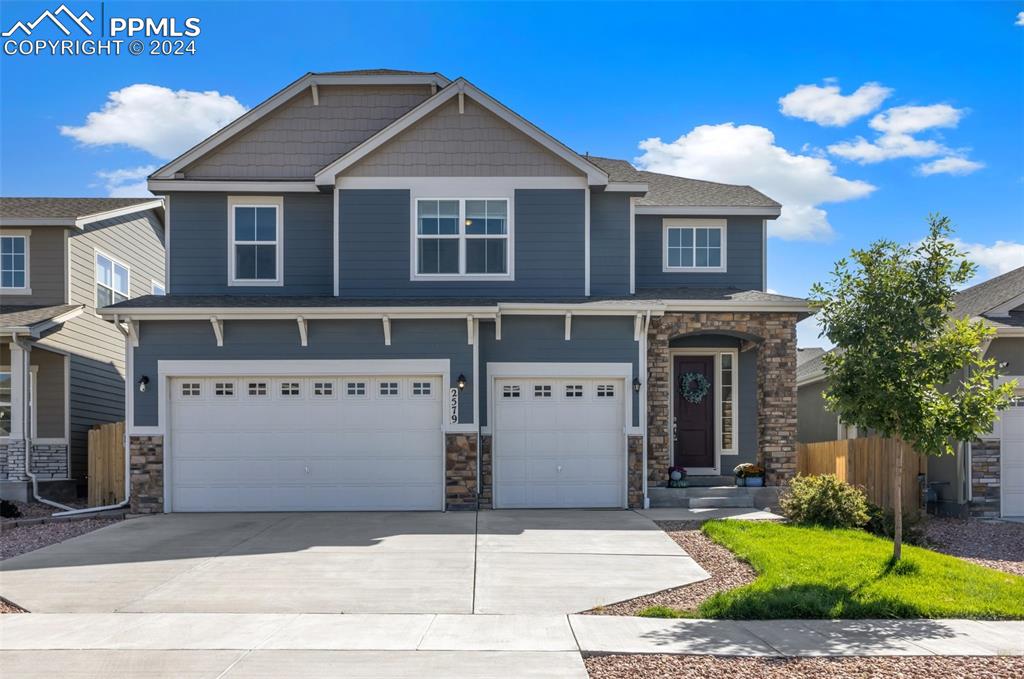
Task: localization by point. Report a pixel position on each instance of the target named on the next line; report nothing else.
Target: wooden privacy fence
(868, 463)
(106, 464)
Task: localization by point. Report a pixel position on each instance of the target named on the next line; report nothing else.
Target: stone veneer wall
(486, 472)
(460, 452)
(776, 385)
(146, 457)
(635, 484)
(985, 478)
(49, 461)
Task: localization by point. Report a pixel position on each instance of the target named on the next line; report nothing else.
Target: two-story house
(62, 367)
(389, 291)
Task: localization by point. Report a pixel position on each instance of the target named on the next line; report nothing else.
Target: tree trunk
(897, 506)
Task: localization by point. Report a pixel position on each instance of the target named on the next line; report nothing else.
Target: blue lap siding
(609, 244)
(270, 340)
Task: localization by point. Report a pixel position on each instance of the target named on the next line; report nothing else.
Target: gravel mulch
(995, 544)
(21, 539)
(31, 510)
(702, 666)
(727, 572)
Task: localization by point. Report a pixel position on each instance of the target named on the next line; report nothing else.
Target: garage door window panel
(355, 389)
(257, 389)
(387, 389)
(323, 389)
(290, 390)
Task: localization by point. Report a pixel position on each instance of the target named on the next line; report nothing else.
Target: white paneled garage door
(306, 443)
(559, 443)
(1012, 456)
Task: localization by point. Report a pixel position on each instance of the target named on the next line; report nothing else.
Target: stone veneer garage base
(147, 472)
(773, 336)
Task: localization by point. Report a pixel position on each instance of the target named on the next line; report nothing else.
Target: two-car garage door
(306, 443)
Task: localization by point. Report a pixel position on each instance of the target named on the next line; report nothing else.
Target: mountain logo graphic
(27, 28)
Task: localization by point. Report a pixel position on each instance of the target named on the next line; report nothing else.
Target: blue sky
(946, 80)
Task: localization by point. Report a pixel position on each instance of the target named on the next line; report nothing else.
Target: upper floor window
(255, 254)
(111, 281)
(158, 288)
(14, 263)
(694, 245)
(462, 237)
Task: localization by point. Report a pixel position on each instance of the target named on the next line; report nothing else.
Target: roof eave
(709, 210)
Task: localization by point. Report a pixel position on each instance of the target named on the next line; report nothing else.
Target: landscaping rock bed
(700, 667)
(995, 544)
(727, 572)
(20, 539)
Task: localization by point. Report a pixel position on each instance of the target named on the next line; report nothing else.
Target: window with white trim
(542, 391)
(5, 403)
(323, 389)
(355, 389)
(727, 402)
(694, 245)
(510, 391)
(158, 289)
(257, 389)
(462, 237)
(112, 278)
(574, 391)
(388, 389)
(255, 234)
(224, 389)
(606, 391)
(291, 389)
(13, 263)
(421, 389)
(191, 389)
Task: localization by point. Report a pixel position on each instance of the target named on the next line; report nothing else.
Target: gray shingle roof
(977, 299)
(811, 367)
(669, 190)
(27, 316)
(378, 71)
(307, 301)
(62, 208)
(804, 354)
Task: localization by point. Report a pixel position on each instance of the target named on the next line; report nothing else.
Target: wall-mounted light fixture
(636, 384)
(460, 382)
(143, 383)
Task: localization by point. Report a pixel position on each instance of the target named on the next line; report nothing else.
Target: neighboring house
(61, 366)
(985, 477)
(387, 290)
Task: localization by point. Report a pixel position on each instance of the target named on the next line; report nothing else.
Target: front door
(694, 411)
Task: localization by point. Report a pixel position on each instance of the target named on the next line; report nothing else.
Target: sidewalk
(505, 633)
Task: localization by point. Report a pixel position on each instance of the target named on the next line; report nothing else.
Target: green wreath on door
(694, 387)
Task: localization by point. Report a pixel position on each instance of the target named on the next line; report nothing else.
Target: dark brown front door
(694, 444)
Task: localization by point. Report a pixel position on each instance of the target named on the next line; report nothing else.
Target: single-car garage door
(306, 443)
(1012, 455)
(559, 443)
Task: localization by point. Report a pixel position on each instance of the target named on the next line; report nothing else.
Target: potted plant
(748, 474)
(676, 477)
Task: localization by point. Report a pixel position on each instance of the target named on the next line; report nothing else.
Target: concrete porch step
(703, 481)
(701, 497)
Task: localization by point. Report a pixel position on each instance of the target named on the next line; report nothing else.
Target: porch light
(636, 384)
(469, 222)
(460, 382)
(143, 382)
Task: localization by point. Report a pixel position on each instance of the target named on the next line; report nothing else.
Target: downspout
(643, 401)
(127, 467)
(26, 420)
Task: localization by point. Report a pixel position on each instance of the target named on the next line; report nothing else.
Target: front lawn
(818, 573)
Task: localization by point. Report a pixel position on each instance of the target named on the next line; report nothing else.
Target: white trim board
(716, 353)
(708, 211)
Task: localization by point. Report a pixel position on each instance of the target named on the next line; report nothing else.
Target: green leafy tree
(904, 367)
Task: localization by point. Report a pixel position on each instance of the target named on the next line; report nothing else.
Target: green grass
(806, 572)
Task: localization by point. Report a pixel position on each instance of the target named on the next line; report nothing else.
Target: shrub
(881, 523)
(825, 501)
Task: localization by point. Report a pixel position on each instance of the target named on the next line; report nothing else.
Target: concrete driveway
(381, 562)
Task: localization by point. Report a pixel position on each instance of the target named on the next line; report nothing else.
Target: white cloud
(808, 334)
(1020, 19)
(897, 126)
(910, 119)
(950, 165)
(995, 259)
(747, 154)
(128, 182)
(826, 106)
(156, 119)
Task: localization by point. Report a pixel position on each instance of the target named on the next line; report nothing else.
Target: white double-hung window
(14, 264)
(694, 245)
(462, 238)
(255, 240)
(112, 278)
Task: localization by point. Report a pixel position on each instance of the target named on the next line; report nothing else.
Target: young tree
(904, 366)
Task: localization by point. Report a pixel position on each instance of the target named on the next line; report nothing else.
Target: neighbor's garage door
(559, 443)
(1012, 455)
(306, 443)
